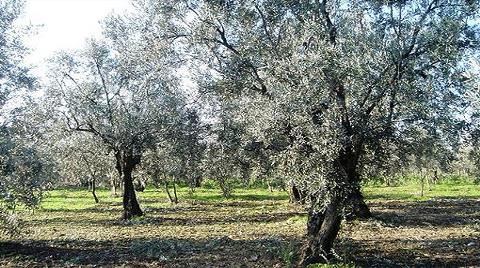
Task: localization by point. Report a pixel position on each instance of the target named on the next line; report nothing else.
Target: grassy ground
(254, 228)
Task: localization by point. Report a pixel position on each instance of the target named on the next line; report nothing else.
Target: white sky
(66, 25)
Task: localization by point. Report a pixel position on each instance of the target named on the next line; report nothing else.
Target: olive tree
(223, 160)
(119, 89)
(84, 160)
(179, 154)
(25, 170)
(472, 147)
(333, 77)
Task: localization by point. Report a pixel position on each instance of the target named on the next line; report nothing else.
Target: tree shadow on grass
(436, 213)
(396, 196)
(456, 252)
(214, 219)
(235, 197)
(171, 219)
(216, 252)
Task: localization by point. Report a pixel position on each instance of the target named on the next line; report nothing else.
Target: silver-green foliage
(331, 77)
(25, 169)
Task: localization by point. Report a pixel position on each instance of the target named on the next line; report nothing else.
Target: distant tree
(471, 148)
(120, 90)
(84, 160)
(160, 168)
(223, 160)
(189, 147)
(179, 155)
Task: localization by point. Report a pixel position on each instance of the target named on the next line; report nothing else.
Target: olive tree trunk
(126, 163)
(174, 198)
(357, 208)
(323, 225)
(94, 193)
(322, 230)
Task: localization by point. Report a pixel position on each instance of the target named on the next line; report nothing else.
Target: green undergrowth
(413, 191)
(77, 198)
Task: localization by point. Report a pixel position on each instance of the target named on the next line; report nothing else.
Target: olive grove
(335, 79)
(318, 95)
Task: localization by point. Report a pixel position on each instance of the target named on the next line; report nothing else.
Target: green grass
(76, 198)
(412, 191)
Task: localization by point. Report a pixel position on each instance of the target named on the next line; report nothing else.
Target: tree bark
(126, 162)
(94, 190)
(323, 226)
(175, 190)
(357, 205)
(322, 229)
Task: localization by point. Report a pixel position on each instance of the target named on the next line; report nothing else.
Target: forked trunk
(323, 228)
(126, 162)
(357, 208)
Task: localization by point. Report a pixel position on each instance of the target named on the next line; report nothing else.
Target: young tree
(84, 160)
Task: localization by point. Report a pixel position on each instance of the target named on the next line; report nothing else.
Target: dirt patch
(436, 233)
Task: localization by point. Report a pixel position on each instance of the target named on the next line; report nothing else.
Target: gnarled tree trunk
(323, 226)
(126, 162)
(322, 229)
(359, 209)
